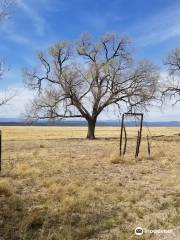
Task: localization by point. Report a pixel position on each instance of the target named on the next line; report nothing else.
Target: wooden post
(149, 147)
(121, 135)
(139, 137)
(140, 133)
(137, 145)
(125, 143)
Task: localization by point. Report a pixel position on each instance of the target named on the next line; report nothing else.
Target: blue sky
(153, 26)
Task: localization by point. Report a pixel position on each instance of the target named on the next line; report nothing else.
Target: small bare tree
(81, 80)
(171, 88)
(6, 7)
(5, 97)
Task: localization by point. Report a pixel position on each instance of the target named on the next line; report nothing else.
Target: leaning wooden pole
(125, 143)
(149, 146)
(140, 132)
(137, 144)
(139, 137)
(121, 135)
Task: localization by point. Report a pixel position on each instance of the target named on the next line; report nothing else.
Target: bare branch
(6, 7)
(171, 87)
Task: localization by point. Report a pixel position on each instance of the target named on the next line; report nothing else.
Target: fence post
(140, 133)
(149, 146)
(137, 145)
(125, 144)
(121, 135)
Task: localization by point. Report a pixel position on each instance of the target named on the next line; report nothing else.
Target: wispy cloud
(32, 13)
(159, 28)
(16, 30)
(17, 38)
(12, 31)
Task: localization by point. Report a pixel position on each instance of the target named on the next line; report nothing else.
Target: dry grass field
(56, 185)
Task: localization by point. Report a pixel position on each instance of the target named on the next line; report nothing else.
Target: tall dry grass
(57, 185)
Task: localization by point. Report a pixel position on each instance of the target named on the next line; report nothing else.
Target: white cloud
(17, 38)
(160, 27)
(37, 19)
(16, 107)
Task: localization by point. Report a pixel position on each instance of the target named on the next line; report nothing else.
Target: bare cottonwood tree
(171, 88)
(81, 80)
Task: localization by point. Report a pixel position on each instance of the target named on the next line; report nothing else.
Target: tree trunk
(91, 129)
